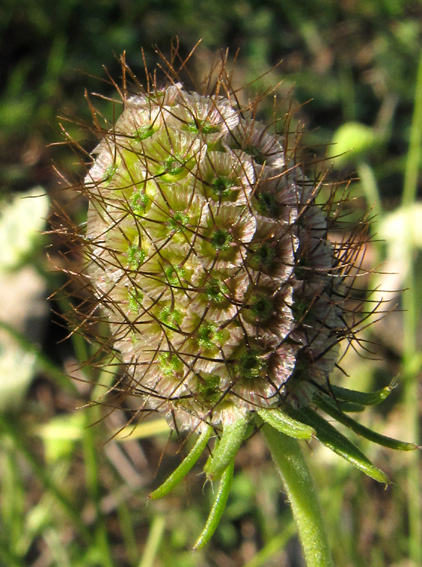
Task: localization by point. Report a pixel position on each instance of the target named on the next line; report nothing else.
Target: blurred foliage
(80, 500)
(354, 59)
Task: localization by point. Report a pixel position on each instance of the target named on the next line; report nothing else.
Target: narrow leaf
(286, 424)
(338, 443)
(227, 447)
(329, 407)
(184, 467)
(361, 398)
(348, 407)
(218, 507)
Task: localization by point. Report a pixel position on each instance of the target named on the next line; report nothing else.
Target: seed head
(210, 257)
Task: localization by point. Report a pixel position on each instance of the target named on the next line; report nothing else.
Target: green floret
(208, 389)
(139, 203)
(135, 256)
(267, 205)
(261, 256)
(202, 126)
(261, 306)
(251, 366)
(221, 239)
(216, 291)
(210, 336)
(221, 186)
(174, 275)
(135, 298)
(144, 132)
(170, 365)
(177, 222)
(170, 317)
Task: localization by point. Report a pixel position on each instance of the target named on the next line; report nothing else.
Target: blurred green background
(67, 496)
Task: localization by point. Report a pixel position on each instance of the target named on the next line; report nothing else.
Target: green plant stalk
(275, 544)
(126, 521)
(299, 487)
(411, 314)
(371, 191)
(413, 156)
(58, 551)
(93, 485)
(154, 541)
(7, 557)
(12, 510)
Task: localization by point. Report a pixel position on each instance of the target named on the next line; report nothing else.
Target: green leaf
(349, 407)
(361, 398)
(218, 507)
(284, 423)
(227, 447)
(184, 467)
(328, 406)
(334, 440)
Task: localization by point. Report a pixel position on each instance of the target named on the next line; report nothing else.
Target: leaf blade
(217, 508)
(184, 467)
(227, 447)
(339, 444)
(360, 429)
(286, 424)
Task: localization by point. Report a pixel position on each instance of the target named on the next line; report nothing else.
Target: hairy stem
(299, 487)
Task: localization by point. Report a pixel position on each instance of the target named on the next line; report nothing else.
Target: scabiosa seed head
(210, 258)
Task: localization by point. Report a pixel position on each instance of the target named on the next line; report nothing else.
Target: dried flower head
(210, 258)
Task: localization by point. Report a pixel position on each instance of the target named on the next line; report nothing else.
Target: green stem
(411, 317)
(90, 443)
(154, 541)
(370, 189)
(413, 155)
(299, 487)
